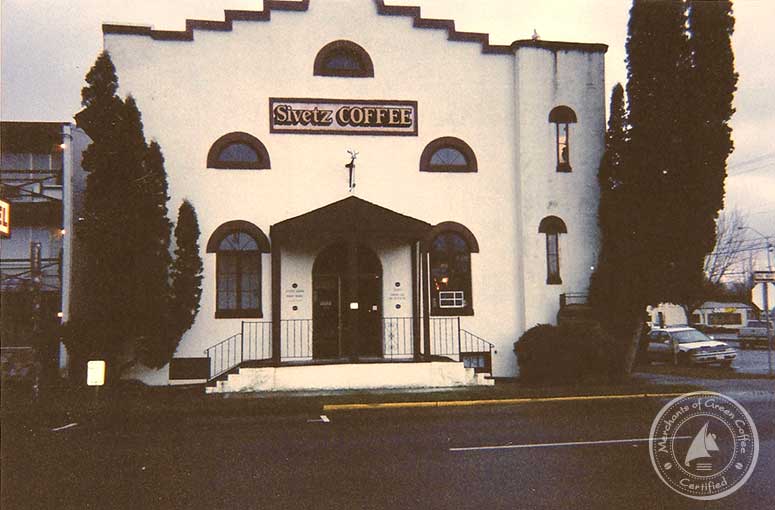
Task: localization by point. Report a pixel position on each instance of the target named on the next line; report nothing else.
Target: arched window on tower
(562, 117)
(552, 226)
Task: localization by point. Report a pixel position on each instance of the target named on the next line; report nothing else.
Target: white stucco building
(475, 198)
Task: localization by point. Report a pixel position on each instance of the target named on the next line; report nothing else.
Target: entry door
(370, 314)
(326, 317)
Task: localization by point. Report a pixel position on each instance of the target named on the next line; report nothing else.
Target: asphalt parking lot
(749, 361)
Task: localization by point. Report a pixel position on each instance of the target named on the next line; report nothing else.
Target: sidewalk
(60, 407)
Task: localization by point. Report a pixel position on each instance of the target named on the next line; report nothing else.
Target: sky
(47, 46)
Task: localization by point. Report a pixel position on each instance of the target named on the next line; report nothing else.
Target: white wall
(549, 78)
(193, 92)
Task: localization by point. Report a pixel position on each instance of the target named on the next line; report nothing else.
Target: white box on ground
(95, 373)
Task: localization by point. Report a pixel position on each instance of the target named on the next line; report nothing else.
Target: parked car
(754, 334)
(688, 346)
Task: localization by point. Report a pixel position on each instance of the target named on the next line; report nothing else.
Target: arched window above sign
(238, 151)
(562, 116)
(345, 59)
(448, 154)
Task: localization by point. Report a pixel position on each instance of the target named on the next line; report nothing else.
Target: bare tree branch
(729, 252)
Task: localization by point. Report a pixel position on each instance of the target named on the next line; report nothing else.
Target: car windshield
(689, 336)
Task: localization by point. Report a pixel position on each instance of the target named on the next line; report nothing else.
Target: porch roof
(351, 216)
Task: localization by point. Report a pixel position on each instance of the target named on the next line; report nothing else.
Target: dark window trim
(455, 228)
(553, 273)
(238, 226)
(562, 116)
(213, 156)
(213, 245)
(451, 227)
(357, 52)
(552, 226)
(452, 143)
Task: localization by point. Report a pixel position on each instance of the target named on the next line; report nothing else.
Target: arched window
(448, 154)
(562, 117)
(238, 246)
(343, 58)
(450, 246)
(552, 226)
(238, 151)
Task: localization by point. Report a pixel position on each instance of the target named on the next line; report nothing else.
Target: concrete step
(351, 376)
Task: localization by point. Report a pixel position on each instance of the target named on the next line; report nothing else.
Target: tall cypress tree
(125, 235)
(713, 82)
(186, 275)
(152, 263)
(657, 88)
(99, 326)
(659, 202)
(613, 293)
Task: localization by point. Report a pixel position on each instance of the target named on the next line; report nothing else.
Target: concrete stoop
(367, 376)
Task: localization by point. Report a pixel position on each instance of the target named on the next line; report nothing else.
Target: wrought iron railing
(16, 274)
(296, 338)
(398, 337)
(225, 355)
(573, 298)
(256, 340)
(476, 352)
(446, 337)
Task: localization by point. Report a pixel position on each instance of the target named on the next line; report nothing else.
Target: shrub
(569, 353)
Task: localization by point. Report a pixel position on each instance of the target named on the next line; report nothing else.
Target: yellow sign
(5, 218)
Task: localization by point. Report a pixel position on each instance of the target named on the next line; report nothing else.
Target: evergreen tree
(713, 82)
(99, 326)
(662, 176)
(612, 292)
(124, 237)
(186, 275)
(657, 88)
(152, 262)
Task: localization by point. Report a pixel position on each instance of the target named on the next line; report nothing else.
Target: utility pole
(766, 280)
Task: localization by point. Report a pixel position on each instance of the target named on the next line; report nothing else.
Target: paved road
(751, 361)
(397, 459)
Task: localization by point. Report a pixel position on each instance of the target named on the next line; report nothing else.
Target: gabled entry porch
(345, 242)
(352, 284)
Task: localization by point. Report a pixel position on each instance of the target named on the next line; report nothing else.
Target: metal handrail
(254, 343)
(221, 362)
(475, 343)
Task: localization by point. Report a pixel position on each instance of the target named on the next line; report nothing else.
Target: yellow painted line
(491, 402)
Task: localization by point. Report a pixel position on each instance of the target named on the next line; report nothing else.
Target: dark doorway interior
(331, 307)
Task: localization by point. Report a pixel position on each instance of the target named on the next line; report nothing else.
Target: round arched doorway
(333, 317)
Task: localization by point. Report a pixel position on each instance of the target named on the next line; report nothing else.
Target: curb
(492, 402)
